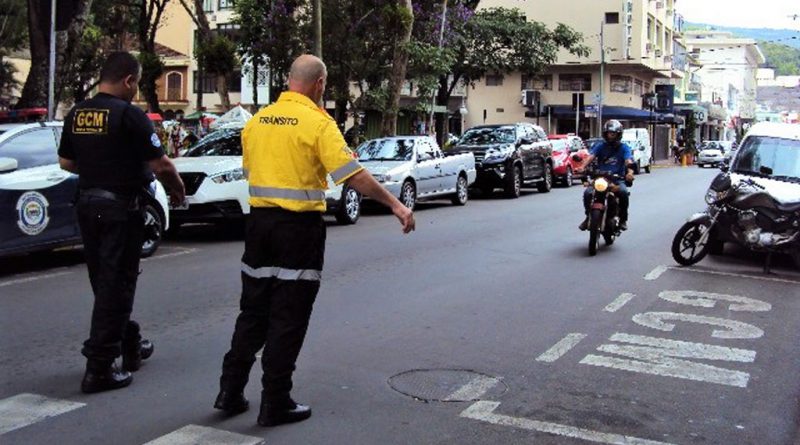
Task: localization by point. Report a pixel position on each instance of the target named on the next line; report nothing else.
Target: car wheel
(547, 184)
(349, 207)
(153, 227)
(647, 169)
(568, 178)
(513, 185)
(408, 195)
(462, 195)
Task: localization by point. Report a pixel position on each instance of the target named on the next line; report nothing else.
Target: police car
(217, 190)
(36, 195)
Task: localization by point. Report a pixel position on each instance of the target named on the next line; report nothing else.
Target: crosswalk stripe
(203, 435)
(25, 409)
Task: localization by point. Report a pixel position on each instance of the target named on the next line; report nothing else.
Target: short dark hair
(119, 65)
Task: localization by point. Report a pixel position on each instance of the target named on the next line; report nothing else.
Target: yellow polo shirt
(288, 148)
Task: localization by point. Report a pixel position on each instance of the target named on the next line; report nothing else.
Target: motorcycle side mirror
(724, 167)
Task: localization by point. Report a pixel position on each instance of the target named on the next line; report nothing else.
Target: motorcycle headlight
(228, 176)
(601, 185)
(714, 196)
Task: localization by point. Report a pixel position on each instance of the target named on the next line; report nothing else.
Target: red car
(564, 147)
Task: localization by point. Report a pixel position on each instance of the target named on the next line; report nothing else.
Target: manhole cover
(447, 385)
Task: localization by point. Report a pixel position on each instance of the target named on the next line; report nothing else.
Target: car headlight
(228, 176)
(383, 178)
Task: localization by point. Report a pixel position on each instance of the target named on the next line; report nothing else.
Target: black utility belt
(105, 194)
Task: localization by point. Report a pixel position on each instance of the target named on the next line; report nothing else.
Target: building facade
(638, 38)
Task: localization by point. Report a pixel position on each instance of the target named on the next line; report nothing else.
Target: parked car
(565, 167)
(639, 141)
(413, 168)
(38, 196)
(217, 191)
(509, 157)
(711, 153)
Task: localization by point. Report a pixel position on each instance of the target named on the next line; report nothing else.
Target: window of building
(575, 82)
(612, 18)
(174, 87)
(647, 87)
(226, 4)
(229, 30)
(637, 87)
(209, 83)
(621, 84)
(543, 82)
(494, 80)
(208, 5)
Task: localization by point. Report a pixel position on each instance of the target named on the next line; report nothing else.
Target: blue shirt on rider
(612, 159)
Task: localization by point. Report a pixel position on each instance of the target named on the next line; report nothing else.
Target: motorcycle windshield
(769, 157)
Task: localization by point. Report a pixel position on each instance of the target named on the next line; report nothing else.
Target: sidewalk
(666, 163)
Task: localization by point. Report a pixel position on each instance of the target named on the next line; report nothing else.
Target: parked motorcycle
(743, 212)
(603, 210)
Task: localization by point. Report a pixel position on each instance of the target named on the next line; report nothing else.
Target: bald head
(307, 69)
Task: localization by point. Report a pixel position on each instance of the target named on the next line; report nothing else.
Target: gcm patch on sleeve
(90, 121)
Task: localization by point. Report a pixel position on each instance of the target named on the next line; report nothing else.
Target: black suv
(509, 156)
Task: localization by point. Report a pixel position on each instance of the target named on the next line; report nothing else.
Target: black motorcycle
(743, 213)
(603, 210)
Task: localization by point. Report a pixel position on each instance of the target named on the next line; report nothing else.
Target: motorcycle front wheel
(686, 246)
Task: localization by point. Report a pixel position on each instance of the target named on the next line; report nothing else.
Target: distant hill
(781, 36)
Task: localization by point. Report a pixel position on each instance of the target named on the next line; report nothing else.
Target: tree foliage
(13, 37)
(784, 58)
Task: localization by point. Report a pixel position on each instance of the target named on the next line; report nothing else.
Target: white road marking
(34, 278)
(473, 390)
(657, 356)
(619, 302)
(707, 299)
(561, 348)
(484, 411)
(22, 410)
(203, 435)
(655, 273)
(737, 275)
(734, 329)
(182, 251)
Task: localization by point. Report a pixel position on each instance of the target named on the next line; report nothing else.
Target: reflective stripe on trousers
(282, 273)
(280, 193)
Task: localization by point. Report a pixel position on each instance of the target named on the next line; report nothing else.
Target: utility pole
(51, 77)
(318, 28)
(602, 81)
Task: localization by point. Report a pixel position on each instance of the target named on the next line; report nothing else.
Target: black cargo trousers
(281, 269)
(112, 231)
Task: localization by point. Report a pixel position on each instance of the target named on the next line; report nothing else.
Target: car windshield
(220, 143)
(386, 150)
(712, 146)
(769, 157)
(489, 136)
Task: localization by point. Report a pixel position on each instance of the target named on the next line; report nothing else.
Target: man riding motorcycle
(613, 157)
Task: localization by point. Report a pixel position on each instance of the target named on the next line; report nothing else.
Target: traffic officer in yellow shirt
(288, 149)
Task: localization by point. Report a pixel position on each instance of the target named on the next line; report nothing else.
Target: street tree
(401, 17)
(73, 17)
(13, 37)
(148, 15)
(252, 38)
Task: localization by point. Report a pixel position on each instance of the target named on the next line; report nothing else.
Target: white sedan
(217, 191)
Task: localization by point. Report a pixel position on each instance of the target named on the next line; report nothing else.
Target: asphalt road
(513, 334)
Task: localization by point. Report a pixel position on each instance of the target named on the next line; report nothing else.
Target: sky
(742, 13)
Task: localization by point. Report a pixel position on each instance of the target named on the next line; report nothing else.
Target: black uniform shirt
(111, 141)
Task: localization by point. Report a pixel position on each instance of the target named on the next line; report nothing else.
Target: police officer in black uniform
(113, 147)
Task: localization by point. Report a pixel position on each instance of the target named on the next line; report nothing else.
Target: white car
(711, 153)
(217, 190)
(37, 195)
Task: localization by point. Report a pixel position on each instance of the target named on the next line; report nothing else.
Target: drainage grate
(447, 385)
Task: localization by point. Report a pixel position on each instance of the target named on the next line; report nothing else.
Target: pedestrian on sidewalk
(115, 149)
(288, 148)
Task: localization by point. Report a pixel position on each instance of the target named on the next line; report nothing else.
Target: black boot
(273, 414)
(98, 380)
(232, 402)
(132, 359)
